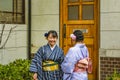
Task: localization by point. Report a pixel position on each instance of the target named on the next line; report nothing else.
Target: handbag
(89, 69)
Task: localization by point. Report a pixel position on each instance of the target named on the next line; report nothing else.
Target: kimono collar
(81, 45)
(52, 48)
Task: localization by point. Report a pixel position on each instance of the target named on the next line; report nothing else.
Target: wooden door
(81, 15)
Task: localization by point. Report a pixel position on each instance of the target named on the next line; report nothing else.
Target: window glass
(73, 12)
(12, 11)
(6, 5)
(88, 12)
(88, 0)
(73, 0)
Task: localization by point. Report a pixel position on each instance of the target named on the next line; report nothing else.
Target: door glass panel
(88, 0)
(88, 12)
(73, 12)
(73, 0)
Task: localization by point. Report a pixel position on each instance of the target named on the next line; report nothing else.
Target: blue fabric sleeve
(34, 63)
(69, 62)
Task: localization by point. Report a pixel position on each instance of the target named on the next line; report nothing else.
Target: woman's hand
(83, 63)
(80, 65)
(35, 76)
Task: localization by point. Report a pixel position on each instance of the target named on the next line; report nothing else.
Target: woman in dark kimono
(46, 62)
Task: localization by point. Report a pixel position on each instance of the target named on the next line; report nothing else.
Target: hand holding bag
(89, 70)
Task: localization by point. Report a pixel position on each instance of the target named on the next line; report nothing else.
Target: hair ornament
(46, 34)
(73, 37)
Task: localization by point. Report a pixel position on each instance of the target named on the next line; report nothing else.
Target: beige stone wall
(16, 46)
(109, 36)
(45, 16)
(110, 27)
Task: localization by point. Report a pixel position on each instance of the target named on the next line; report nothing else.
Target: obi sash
(50, 65)
(87, 66)
(78, 67)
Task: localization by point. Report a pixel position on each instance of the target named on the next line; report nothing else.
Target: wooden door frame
(97, 23)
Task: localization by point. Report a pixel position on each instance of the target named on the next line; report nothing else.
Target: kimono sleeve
(69, 62)
(36, 60)
(61, 58)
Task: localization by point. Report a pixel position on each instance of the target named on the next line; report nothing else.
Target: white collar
(52, 48)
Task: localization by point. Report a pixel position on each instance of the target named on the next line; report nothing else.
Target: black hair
(53, 32)
(79, 35)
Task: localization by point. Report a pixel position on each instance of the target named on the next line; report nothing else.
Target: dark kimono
(45, 53)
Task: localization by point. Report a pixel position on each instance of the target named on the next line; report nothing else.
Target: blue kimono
(76, 53)
(46, 53)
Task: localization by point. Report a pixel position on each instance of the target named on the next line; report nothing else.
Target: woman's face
(52, 40)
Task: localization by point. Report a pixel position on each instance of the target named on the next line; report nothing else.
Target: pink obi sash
(81, 65)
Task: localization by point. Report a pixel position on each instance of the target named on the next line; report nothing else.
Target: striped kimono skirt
(43, 56)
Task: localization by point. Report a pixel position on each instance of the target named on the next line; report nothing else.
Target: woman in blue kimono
(75, 63)
(46, 62)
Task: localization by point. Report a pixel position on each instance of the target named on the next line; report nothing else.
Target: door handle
(64, 30)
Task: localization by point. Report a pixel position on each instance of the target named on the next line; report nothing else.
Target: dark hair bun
(46, 34)
(79, 35)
